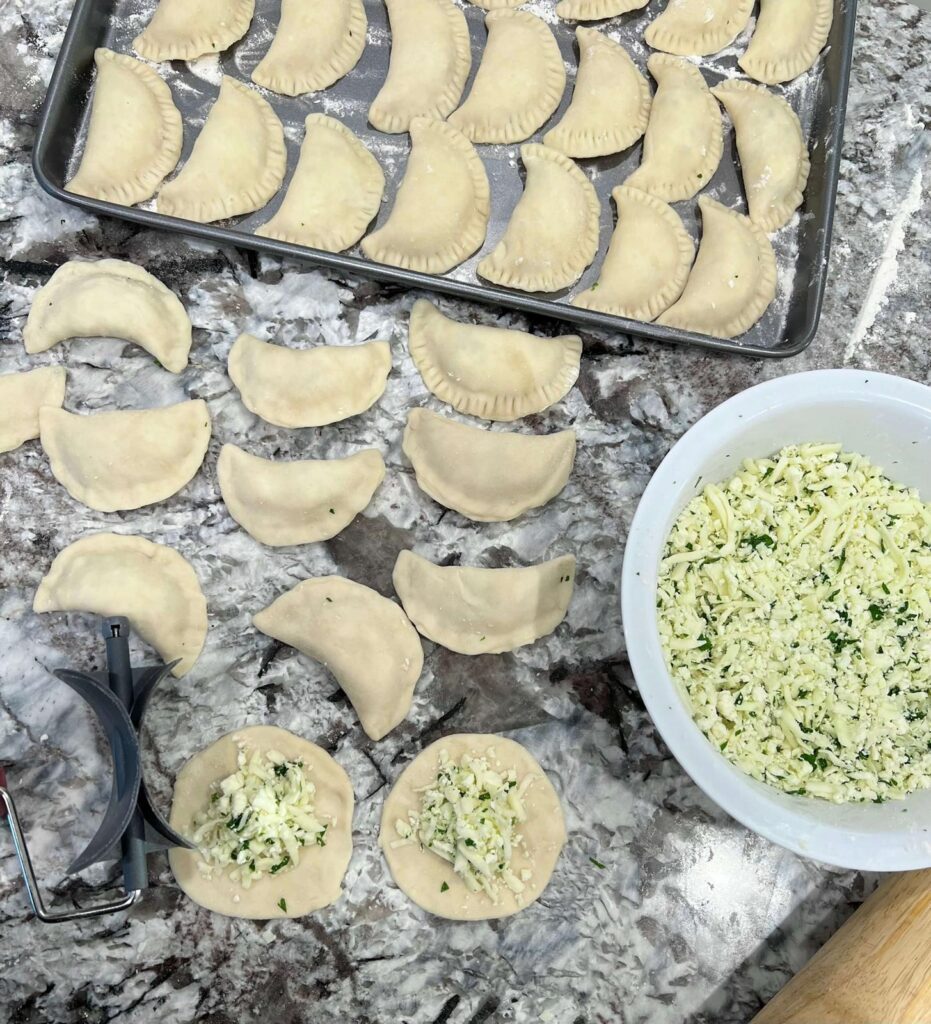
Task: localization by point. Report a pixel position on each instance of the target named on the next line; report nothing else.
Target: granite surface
(686, 916)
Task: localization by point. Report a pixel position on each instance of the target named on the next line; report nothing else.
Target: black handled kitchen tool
(132, 826)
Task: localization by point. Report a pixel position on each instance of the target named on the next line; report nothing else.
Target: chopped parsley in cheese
(470, 816)
(794, 608)
(258, 819)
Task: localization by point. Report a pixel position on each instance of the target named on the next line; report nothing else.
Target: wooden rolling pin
(875, 970)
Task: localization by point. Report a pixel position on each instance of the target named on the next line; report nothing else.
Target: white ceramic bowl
(888, 419)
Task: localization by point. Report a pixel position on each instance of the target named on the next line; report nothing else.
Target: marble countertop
(691, 917)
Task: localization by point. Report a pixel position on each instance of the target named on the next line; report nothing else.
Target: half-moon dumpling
(484, 611)
(610, 105)
(237, 163)
(301, 502)
(491, 372)
(552, 235)
(684, 139)
(152, 585)
(733, 279)
(788, 37)
(134, 136)
(113, 461)
(314, 46)
(441, 208)
(364, 639)
(21, 397)
(519, 82)
(308, 387)
(774, 161)
(486, 475)
(334, 193)
(431, 57)
(648, 259)
(110, 299)
(596, 10)
(188, 29)
(694, 28)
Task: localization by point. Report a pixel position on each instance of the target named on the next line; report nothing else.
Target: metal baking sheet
(802, 248)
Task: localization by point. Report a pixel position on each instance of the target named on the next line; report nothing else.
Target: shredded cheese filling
(794, 608)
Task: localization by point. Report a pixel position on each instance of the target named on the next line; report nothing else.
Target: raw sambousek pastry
(364, 639)
(112, 461)
(187, 29)
(110, 299)
(152, 585)
(596, 10)
(694, 28)
(788, 37)
(473, 828)
(491, 372)
(21, 397)
(314, 46)
(298, 502)
(484, 611)
(134, 136)
(490, 476)
(308, 387)
(271, 816)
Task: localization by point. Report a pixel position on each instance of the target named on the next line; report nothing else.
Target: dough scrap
(610, 106)
(428, 879)
(441, 209)
(733, 279)
(364, 639)
(308, 387)
(431, 56)
(188, 29)
(21, 397)
(696, 28)
(684, 139)
(316, 881)
(113, 461)
(151, 584)
(596, 10)
(484, 611)
(299, 502)
(552, 235)
(491, 372)
(519, 82)
(315, 45)
(648, 259)
(134, 136)
(334, 193)
(110, 299)
(487, 476)
(237, 163)
(789, 36)
(774, 160)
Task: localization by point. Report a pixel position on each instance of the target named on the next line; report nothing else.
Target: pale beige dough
(733, 279)
(110, 299)
(237, 163)
(648, 259)
(788, 37)
(610, 106)
(335, 191)
(693, 28)
(596, 10)
(364, 639)
(151, 584)
(484, 611)
(431, 57)
(134, 136)
(187, 29)
(21, 397)
(519, 83)
(491, 372)
(440, 212)
(300, 502)
(113, 461)
(316, 881)
(421, 874)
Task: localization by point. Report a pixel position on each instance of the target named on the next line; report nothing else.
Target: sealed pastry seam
(160, 41)
(692, 28)
(774, 54)
(596, 10)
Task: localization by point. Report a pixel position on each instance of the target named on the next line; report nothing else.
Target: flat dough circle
(421, 874)
(316, 881)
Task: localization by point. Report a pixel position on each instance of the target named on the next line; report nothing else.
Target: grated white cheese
(794, 608)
